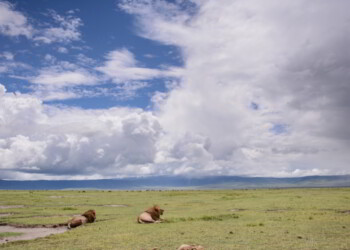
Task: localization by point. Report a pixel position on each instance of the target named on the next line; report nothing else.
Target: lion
(190, 247)
(78, 220)
(151, 215)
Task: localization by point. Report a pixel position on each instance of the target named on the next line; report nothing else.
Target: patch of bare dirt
(237, 210)
(344, 211)
(277, 210)
(115, 205)
(34, 225)
(10, 206)
(67, 196)
(29, 233)
(84, 205)
(45, 216)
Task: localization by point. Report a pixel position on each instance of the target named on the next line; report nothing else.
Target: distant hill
(180, 182)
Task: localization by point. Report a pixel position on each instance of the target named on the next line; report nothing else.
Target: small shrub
(69, 208)
(251, 225)
(221, 217)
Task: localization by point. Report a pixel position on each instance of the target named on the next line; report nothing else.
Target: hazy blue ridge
(179, 182)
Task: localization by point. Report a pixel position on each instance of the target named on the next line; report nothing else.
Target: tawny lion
(151, 215)
(87, 217)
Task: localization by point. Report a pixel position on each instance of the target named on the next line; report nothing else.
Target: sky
(132, 88)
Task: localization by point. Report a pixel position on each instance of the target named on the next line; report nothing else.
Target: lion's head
(155, 212)
(90, 215)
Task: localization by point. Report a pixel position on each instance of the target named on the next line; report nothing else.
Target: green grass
(9, 234)
(215, 219)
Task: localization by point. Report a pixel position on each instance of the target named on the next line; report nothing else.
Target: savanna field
(215, 219)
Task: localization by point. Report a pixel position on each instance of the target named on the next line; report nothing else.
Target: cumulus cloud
(44, 140)
(262, 83)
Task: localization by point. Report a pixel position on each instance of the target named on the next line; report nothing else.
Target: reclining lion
(87, 217)
(151, 215)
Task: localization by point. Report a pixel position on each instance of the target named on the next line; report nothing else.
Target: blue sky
(98, 30)
(124, 88)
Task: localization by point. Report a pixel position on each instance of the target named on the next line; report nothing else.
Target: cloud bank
(262, 83)
(43, 140)
(263, 92)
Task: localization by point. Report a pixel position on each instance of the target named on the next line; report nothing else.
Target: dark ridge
(179, 182)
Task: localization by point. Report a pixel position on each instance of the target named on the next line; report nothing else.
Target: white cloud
(3, 69)
(45, 93)
(121, 66)
(61, 79)
(85, 60)
(12, 22)
(73, 77)
(42, 140)
(64, 74)
(50, 58)
(64, 80)
(273, 55)
(62, 50)
(263, 92)
(123, 92)
(2, 90)
(67, 31)
(10, 66)
(7, 55)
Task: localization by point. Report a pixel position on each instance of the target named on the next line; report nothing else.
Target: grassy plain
(215, 219)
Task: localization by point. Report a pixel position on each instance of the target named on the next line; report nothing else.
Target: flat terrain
(215, 219)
